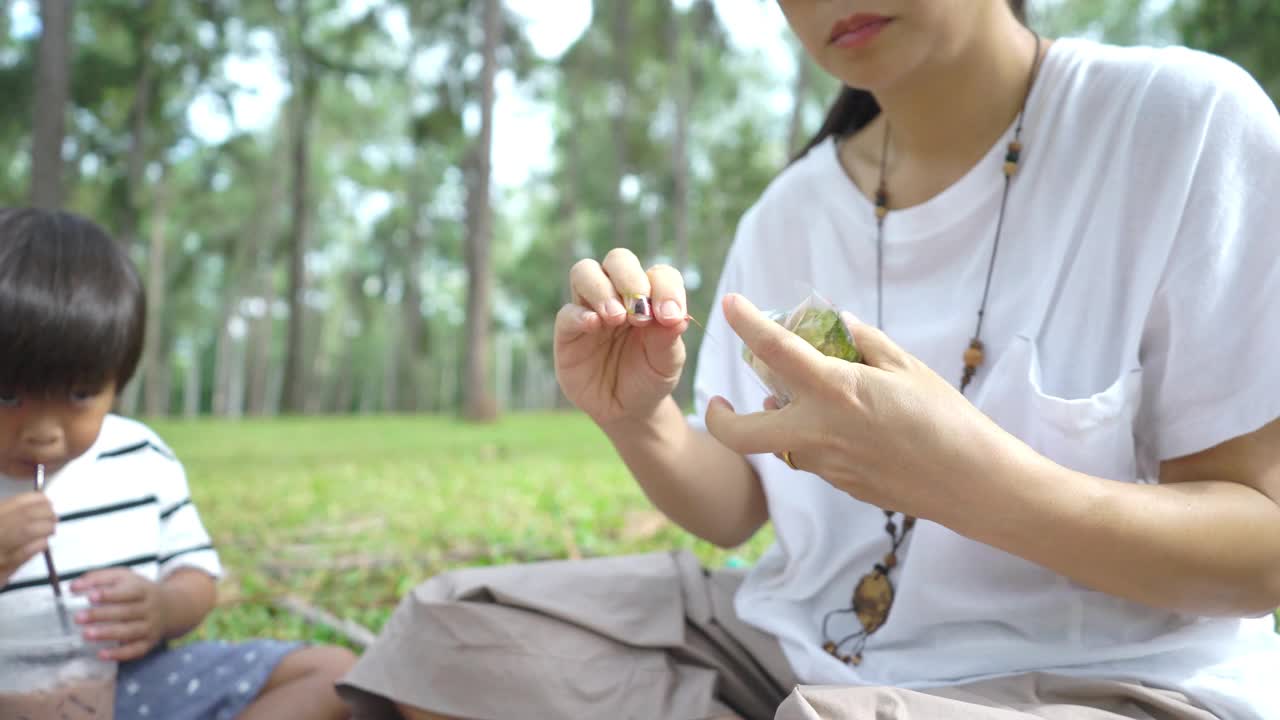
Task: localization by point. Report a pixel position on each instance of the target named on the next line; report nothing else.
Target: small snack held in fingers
(818, 323)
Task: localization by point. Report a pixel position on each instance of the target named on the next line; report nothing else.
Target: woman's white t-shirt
(1134, 317)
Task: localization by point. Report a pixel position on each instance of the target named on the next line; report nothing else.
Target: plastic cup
(48, 671)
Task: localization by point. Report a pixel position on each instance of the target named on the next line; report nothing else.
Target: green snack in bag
(818, 323)
(824, 330)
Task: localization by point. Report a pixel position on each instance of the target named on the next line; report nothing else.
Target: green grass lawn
(350, 513)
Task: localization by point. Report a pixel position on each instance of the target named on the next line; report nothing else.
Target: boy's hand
(26, 524)
(128, 609)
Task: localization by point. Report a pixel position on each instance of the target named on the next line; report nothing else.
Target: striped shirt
(124, 503)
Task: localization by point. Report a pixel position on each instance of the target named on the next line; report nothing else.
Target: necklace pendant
(872, 599)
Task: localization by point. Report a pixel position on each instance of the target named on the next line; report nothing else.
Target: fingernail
(849, 318)
(613, 308)
(640, 306)
(82, 617)
(670, 310)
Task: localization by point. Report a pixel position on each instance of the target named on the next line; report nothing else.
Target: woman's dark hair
(72, 306)
(854, 108)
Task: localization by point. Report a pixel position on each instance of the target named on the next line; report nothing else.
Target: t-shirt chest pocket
(1093, 435)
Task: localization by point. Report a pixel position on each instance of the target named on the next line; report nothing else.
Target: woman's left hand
(890, 432)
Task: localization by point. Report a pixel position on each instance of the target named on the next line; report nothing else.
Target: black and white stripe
(136, 448)
(168, 512)
(108, 509)
(171, 556)
(133, 562)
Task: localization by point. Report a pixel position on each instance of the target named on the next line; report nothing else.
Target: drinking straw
(54, 581)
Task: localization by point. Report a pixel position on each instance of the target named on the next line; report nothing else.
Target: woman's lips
(858, 30)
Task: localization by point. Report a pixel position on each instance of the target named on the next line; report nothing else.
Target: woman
(1053, 490)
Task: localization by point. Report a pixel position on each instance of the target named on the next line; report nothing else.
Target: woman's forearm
(1204, 548)
(706, 488)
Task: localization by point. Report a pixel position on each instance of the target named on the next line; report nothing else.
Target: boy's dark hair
(72, 306)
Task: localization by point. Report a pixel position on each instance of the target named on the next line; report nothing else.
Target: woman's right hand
(27, 522)
(612, 364)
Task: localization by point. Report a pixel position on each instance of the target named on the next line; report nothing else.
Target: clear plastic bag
(818, 323)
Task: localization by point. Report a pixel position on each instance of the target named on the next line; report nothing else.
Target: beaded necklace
(873, 596)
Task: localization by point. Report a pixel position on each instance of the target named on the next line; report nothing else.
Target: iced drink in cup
(49, 671)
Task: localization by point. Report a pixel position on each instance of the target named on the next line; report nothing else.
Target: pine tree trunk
(573, 239)
(393, 357)
(163, 382)
(296, 366)
(224, 345)
(480, 405)
(315, 364)
(677, 49)
(258, 391)
(136, 160)
(369, 391)
(414, 348)
(155, 371)
(191, 389)
(502, 371)
(622, 155)
(131, 221)
(52, 96)
(260, 288)
(413, 343)
(231, 348)
(804, 77)
(275, 385)
(344, 381)
(238, 380)
(448, 380)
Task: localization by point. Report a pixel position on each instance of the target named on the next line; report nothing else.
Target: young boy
(72, 311)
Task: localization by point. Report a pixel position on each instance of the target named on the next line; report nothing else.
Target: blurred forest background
(370, 206)
(346, 208)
